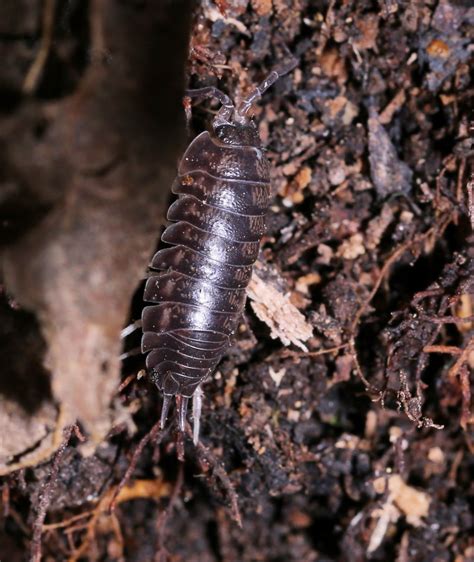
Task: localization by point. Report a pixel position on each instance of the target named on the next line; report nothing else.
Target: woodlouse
(218, 220)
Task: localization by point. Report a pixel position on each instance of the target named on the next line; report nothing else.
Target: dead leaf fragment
(333, 65)
(339, 108)
(438, 48)
(147, 489)
(93, 172)
(293, 191)
(32, 439)
(389, 173)
(369, 29)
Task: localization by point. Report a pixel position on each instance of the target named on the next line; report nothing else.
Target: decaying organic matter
(346, 437)
(97, 162)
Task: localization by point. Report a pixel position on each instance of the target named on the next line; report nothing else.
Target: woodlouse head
(237, 134)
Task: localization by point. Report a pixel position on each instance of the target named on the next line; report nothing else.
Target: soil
(339, 425)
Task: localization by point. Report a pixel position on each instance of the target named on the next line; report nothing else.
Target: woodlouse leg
(130, 329)
(187, 111)
(197, 407)
(130, 353)
(126, 332)
(227, 108)
(281, 70)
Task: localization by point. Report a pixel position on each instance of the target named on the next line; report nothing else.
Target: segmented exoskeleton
(223, 188)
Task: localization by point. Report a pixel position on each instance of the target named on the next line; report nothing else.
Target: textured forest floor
(339, 426)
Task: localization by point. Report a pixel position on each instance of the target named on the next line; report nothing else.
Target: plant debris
(339, 425)
(271, 302)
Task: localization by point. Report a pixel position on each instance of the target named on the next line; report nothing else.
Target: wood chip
(262, 7)
(270, 300)
(303, 283)
(402, 500)
(393, 106)
(369, 28)
(377, 227)
(436, 455)
(413, 503)
(352, 248)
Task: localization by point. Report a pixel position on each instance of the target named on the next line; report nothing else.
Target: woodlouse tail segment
(181, 411)
(182, 408)
(165, 409)
(197, 407)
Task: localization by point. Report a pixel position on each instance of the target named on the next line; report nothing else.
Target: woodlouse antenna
(182, 406)
(227, 109)
(257, 93)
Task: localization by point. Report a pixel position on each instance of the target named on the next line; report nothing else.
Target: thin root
(204, 454)
(45, 496)
(133, 463)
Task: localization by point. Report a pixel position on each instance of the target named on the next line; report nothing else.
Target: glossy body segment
(237, 196)
(198, 293)
(185, 260)
(190, 290)
(213, 246)
(247, 163)
(235, 227)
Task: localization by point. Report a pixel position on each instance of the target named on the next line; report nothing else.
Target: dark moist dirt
(359, 448)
